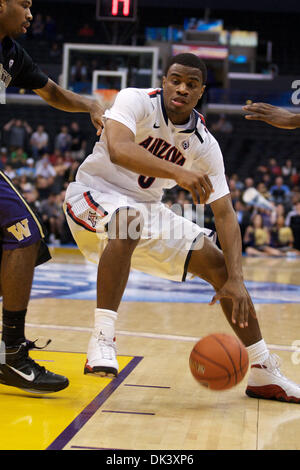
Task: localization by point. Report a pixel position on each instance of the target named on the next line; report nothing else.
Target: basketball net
(106, 97)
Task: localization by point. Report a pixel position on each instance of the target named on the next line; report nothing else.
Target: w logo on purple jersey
(20, 230)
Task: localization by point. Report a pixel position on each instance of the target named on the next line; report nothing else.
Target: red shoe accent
(87, 366)
(258, 366)
(270, 392)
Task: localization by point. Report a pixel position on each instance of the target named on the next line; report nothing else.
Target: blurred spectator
(222, 125)
(3, 156)
(295, 194)
(78, 144)
(55, 155)
(43, 185)
(66, 236)
(31, 196)
(53, 217)
(38, 26)
(266, 216)
(61, 167)
(50, 28)
(260, 171)
(236, 195)
(293, 220)
(238, 184)
(288, 170)
(24, 184)
(249, 182)
(44, 168)
(63, 139)
(18, 133)
(243, 217)
(168, 201)
(274, 168)
(71, 172)
(9, 171)
(78, 72)
(262, 189)
(267, 180)
(279, 211)
(28, 169)
(282, 236)
(86, 31)
(55, 51)
(257, 239)
(18, 158)
(39, 142)
(280, 193)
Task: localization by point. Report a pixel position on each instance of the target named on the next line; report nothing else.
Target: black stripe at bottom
(187, 261)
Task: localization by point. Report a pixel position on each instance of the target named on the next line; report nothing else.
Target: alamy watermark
(178, 222)
(2, 93)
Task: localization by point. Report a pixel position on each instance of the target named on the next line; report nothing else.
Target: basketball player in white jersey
(154, 139)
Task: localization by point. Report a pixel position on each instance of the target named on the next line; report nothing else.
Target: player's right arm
(125, 152)
(277, 117)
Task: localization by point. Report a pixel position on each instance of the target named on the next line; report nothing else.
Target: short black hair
(189, 60)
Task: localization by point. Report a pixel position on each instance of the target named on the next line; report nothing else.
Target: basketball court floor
(154, 403)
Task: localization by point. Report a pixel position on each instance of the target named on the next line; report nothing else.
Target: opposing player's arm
(229, 234)
(277, 117)
(126, 153)
(66, 100)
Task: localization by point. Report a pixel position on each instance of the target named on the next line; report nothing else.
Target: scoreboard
(118, 10)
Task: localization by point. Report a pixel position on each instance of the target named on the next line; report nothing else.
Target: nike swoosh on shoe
(29, 378)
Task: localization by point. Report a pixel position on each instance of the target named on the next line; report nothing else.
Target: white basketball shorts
(166, 242)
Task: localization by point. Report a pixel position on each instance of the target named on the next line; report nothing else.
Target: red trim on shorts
(77, 220)
(94, 205)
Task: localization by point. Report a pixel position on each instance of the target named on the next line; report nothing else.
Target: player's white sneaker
(101, 356)
(266, 381)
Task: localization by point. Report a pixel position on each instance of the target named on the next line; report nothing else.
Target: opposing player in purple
(21, 234)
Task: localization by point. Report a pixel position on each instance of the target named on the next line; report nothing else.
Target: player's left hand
(96, 114)
(242, 304)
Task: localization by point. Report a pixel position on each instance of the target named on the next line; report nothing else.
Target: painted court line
(94, 448)
(146, 386)
(140, 334)
(62, 440)
(128, 412)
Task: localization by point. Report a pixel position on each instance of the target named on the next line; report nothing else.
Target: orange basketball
(219, 361)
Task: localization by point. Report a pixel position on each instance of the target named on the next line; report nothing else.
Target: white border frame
(104, 48)
(109, 73)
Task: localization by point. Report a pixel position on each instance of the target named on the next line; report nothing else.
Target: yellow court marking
(33, 422)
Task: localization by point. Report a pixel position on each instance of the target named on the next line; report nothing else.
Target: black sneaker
(20, 371)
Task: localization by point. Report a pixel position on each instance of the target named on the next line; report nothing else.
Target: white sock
(105, 321)
(258, 352)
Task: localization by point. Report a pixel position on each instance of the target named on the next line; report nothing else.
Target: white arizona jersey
(190, 146)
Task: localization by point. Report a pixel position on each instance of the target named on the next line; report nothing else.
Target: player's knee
(209, 264)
